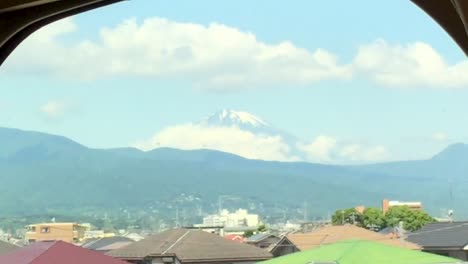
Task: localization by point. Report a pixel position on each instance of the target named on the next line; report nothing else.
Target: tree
(373, 219)
(261, 229)
(412, 219)
(248, 234)
(347, 216)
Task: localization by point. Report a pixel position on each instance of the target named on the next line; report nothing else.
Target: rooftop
(190, 245)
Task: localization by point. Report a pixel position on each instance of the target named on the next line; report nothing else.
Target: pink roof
(56, 252)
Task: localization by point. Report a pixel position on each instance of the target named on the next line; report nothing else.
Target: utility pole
(305, 211)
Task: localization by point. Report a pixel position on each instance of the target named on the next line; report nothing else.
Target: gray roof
(259, 237)
(441, 235)
(105, 242)
(6, 247)
(190, 245)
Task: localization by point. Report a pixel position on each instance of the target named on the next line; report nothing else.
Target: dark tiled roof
(190, 245)
(56, 252)
(106, 242)
(6, 247)
(441, 235)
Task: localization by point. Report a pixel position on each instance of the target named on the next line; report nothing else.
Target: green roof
(361, 252)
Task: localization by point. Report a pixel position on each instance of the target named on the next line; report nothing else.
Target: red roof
(235, 238)
(56, 252)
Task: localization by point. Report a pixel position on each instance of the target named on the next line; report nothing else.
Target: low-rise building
(387, 204)
(447, 239)
(332, 234)
(68, 232)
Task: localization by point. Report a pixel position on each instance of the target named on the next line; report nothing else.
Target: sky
(355, 81)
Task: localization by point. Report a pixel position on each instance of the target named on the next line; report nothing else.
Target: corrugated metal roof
(49, 252)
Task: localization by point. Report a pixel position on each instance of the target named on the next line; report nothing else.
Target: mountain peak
(232, 117)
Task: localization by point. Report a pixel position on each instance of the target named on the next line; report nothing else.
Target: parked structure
(56, 252)
(448, 239)
(68, 232)
(386, 205)
(332, 234)
(361, 252)
(189, 246)
(6, 247)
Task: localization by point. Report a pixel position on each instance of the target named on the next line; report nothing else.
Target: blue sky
(365, 80)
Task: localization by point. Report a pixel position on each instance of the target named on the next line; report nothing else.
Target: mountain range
(39, 172)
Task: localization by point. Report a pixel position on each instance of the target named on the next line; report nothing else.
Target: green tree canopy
(373, 219)
(347, 216)
(412, 219)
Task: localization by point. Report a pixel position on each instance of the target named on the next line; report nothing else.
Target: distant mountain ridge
(39, 170)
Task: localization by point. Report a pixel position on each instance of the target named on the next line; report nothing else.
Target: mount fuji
(236, 132)
(245, 121)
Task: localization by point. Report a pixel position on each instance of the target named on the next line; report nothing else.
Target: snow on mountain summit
(231, 117)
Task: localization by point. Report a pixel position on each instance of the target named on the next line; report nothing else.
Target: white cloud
(412, 65)
(440, 137)
(227, 139)
(232, 139)
(327, 149)
(320, 149)
(214, 56)
(55, 109)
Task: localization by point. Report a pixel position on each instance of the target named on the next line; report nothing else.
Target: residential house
(183, 246)
(283, 247)
(448, 239)
(6, 247)
(56, 252)
(106, 244)
(263, 240)
(68, 232)
(361, 252)
(332, 234)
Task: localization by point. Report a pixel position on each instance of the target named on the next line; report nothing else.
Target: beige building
(68, 232)
(386, 205)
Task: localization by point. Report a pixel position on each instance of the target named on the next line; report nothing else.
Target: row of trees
(375, 219)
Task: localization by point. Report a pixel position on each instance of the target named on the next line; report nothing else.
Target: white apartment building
(239, 218)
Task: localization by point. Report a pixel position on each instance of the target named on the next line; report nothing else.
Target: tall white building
(239, 218)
